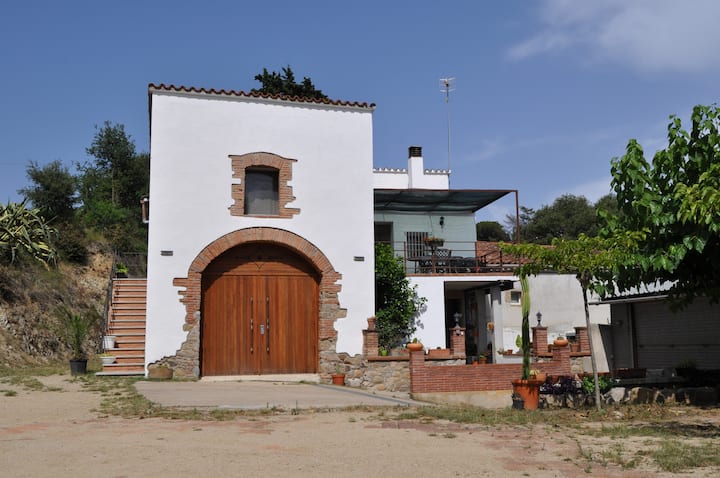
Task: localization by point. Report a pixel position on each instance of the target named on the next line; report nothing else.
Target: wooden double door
(259, 313)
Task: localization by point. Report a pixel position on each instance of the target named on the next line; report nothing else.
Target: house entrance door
(259, 313)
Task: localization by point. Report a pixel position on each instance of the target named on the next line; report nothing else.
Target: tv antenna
(446, 86)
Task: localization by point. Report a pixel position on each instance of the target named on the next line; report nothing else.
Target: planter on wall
(560, 342)
(414, 346)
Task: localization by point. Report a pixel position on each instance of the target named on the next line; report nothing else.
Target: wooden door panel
(259, 314)
(293, 317)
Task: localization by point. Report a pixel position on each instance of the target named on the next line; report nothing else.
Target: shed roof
(438, 200)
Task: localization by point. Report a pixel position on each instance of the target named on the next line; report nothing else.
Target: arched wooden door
(259, 313)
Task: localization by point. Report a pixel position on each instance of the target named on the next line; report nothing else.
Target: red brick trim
(285, 193)
(190, 296)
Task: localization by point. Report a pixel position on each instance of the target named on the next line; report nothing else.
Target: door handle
(267, 323)
(252, 327)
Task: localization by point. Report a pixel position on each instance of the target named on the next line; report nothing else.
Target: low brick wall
(430, 377)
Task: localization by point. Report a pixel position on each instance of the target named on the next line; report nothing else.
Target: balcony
(454, 258)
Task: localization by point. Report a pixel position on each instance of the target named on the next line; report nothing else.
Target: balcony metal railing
(453, 257)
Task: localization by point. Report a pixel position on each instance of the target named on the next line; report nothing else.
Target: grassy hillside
(29, 298)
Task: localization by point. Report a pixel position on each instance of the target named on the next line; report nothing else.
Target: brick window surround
(186, 362)
(265, 160)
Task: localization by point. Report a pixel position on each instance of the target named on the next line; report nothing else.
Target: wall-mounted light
(442, 221)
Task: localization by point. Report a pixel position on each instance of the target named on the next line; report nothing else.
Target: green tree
(491, 231)
(593, 260)
(673, 205)
(284, 84)
(526, 217)
(606, 205)
(396, 302)
(567, 217)
(24, 233)
(53, 191)
(111, 186)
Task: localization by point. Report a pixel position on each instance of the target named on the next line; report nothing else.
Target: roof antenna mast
(446, 86)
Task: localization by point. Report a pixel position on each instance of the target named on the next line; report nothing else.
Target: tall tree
(283, 83)
(114, 152)
(111, 185)
(567, 217)
(53, 191)
(491, 231)
(673, 205)
(526, 217)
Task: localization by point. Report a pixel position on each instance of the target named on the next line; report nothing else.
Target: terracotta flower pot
(529, 391)
(414, 346)
(560, 342)
(338, 379)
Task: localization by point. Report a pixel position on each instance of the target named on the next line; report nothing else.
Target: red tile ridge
(297, 99)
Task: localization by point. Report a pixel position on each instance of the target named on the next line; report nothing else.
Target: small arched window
(261, 191)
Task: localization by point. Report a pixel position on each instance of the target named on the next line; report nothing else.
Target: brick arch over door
(186, 362)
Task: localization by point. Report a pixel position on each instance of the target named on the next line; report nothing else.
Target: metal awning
(437, 200)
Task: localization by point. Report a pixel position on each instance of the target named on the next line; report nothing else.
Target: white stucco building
(264, 212)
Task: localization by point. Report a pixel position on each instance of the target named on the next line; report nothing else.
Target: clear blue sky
(547, 92)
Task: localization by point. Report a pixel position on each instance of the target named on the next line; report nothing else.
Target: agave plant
(24, 232)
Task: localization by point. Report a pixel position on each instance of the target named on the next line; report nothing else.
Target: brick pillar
(417, 367)
(539, 340)
(370, 339)
(581, 334)
(457, 341)
(561, 357)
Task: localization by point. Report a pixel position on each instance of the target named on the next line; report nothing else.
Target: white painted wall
(390, 179)
(414, 177)
(192, 136)
(431, 322)
(559, 298)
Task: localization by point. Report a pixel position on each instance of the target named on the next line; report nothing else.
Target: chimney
(416, 169)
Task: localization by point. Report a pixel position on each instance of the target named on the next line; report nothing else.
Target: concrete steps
(126, 321)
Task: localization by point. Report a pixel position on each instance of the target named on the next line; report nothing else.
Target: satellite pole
(446, 86)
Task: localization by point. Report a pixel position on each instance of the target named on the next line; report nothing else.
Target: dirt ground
(61, 433)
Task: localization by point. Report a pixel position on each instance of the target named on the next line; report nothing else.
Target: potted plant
(338, 378)
(482, 358)
(383, 351)
(434, 241)
(107, 358)
(75, 328)
(560, 341)
(121, 270)
(109, 342)
(414, 346)
(526, 387)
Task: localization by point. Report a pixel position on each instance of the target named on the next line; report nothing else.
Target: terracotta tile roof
(184, 89)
